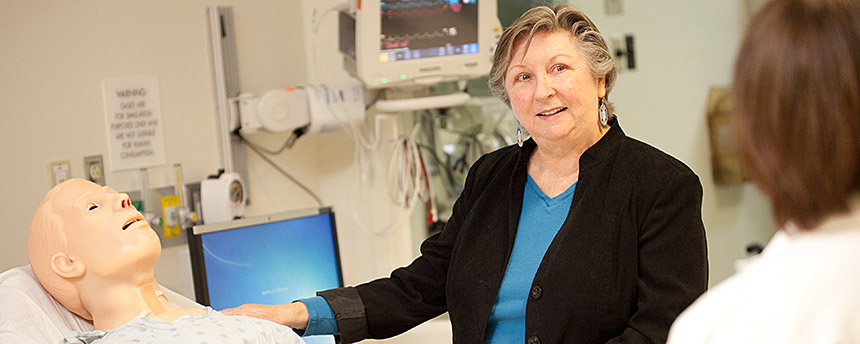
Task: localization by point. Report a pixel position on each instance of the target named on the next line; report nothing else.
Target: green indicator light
(402, 76)
(384, 80)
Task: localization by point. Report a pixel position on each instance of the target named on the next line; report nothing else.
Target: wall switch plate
(614, 7)
(59, 171)
(94, 169)
(623, 51)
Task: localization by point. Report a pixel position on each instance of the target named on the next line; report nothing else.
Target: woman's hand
(295, 315)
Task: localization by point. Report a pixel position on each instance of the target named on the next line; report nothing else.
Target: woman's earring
(519, 134)
(604, 116)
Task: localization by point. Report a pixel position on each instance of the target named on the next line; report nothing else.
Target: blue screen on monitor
(274, 262)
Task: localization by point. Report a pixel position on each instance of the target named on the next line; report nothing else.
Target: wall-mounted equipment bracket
(226, 72)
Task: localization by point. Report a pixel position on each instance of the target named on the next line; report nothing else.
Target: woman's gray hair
(588, 39)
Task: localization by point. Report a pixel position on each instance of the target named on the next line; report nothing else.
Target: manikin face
(105, 232)
(552, 91)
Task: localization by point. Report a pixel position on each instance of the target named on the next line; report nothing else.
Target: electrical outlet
(94, 169)
(59, 171)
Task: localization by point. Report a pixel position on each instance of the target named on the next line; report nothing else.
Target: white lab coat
(803, 288)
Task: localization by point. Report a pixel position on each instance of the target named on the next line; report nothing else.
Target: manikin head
(84, 239)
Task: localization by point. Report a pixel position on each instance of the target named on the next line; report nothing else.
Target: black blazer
(630, 256)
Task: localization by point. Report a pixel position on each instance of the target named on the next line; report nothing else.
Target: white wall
(682, 49)
(56, 53)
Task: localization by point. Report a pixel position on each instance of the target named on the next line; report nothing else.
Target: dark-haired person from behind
(797, 116)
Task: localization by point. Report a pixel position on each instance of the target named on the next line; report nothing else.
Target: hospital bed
(28, 314)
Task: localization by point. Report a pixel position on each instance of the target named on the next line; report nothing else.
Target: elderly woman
(579, 234)
(797, 115)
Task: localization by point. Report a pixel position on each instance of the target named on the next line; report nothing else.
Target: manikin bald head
(85, 237)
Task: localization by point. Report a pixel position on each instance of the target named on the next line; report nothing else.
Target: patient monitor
(390, 43)
(385, 43)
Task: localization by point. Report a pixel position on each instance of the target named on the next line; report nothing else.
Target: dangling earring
(604, 116)
(519, 134)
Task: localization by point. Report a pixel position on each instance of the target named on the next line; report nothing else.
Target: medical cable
(287, 144)
(409, 185)
(446, 175)
(361, 143)
(406, 182)
(432, 213)
(356, 135)
(256, 149)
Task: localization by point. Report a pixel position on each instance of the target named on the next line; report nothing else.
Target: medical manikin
(96, 255)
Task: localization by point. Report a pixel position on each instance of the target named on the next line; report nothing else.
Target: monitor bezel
(423, 71)
(198, 267)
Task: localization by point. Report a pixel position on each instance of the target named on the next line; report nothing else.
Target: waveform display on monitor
(413, 7)
(413, 29)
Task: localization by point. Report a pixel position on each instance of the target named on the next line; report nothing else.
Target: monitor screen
(273, 259)
(394, 43)
(424, 29)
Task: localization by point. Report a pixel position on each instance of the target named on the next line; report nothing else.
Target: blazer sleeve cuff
(349, 313)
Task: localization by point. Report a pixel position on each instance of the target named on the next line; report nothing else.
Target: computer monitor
(389, 43)
(272, 259)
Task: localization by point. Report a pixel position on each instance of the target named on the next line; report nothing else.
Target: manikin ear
(66, 266)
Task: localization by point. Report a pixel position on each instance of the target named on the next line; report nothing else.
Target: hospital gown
(211, 327)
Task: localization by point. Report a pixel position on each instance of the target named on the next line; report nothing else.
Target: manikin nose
(124, 202)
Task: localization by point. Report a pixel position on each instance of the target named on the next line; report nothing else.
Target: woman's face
(552, 91)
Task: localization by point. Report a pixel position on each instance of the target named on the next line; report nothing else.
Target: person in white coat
(797, 119)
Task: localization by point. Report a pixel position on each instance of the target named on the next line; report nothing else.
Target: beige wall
(56, 53)
(682, 49)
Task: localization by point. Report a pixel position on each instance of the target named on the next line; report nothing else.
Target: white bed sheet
(28, 314)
